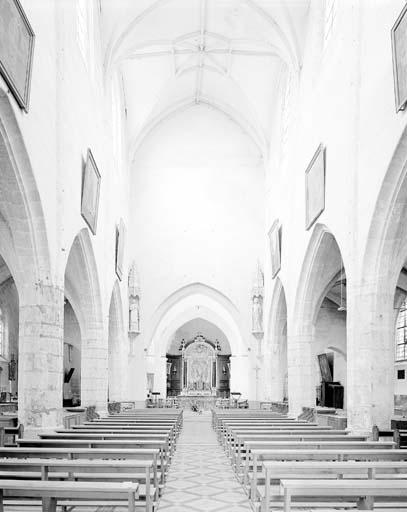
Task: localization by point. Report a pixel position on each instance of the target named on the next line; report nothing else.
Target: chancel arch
(116, 347)
(318, 321)
(187, 304)
(82, 290)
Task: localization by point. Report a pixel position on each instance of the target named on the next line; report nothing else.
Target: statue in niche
(134, 314)
(134, 300)
(257, 314)
(257, 300)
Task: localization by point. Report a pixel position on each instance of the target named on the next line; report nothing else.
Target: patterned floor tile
(200, 477)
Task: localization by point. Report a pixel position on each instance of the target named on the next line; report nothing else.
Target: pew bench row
(286, 464)
(124, 467)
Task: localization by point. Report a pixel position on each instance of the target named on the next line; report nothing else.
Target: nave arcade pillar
(301, 385)
(240, 371)
(370, 358)
(40, 370)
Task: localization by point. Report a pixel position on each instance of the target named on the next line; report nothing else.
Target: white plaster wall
(198, 212)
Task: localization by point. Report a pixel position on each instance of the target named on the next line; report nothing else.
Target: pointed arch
(322, 266)
(384, 257)
(198, 301)
(22, 224)
(82, 289)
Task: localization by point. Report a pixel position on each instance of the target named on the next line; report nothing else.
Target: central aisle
(200, 477)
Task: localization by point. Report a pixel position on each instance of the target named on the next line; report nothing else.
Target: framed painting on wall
(120, 234)
(90, 193)
(275, 234)
(16, 50)
(315, 187)
(325, 369)
(399, 48)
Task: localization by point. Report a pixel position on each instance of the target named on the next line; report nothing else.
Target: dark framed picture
(90, 192)
(120, 234)
(324, 367)
(399, 48)
(315, 187)
(16, 50)
(275, 234)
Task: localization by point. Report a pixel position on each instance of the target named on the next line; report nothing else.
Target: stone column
(277, 373)
(40, 359)
(94, 369)
(240, 369)
(370, 358)
(301, 389)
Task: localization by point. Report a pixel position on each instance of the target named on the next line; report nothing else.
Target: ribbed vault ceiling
(229, 54)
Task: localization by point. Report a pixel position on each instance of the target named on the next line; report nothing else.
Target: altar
(199, 359)
(199, 374)
(205, 403)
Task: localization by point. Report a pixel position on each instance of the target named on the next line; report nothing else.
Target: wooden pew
(398, 436)
(13, 432)
(100, 493)
(141, 472)
(138, 440)
(358, 491)
(160, 445)
(226, 426)
(319, 450)
(259, 456)
(231, 435)
(218, 416)
(274, 471)
(133, 454)
(237, 445)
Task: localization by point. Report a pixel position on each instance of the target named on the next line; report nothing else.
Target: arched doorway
(318, 322)
(198, 360)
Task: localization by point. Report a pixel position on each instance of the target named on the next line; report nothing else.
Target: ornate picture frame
(275, 235)
(399, 51)
(16, 50)
(315, 177)
(90, 192)
(120, 235)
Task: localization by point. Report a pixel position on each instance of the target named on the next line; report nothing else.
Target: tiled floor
(200, 477)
